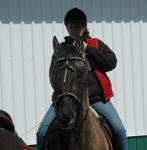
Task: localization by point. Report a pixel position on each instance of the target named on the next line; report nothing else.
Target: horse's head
(69, 78)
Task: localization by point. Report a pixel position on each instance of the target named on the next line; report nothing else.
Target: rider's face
(75, 30)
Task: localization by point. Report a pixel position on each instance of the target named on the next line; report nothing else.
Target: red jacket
(101, 75)
(104, 80)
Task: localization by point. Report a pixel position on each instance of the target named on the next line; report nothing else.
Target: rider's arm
(103, 57)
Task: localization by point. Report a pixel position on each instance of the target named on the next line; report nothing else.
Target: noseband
(66, 67)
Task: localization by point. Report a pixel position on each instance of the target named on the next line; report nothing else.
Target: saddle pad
(104, 121)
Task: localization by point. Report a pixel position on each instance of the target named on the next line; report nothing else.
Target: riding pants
(106, 109)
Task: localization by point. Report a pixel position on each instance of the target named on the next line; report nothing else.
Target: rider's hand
(84, 44)
(74, 43)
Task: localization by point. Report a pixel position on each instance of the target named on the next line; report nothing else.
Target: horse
(9, 139)
(75, 126)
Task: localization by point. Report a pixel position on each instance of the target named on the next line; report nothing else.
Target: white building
(26, 31)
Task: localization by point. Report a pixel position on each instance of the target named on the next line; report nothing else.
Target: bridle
(67, 67)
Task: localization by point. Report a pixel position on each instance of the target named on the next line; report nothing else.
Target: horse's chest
(75, 144)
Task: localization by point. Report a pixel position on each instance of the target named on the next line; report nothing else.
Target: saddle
(107, 126)
(105, 123)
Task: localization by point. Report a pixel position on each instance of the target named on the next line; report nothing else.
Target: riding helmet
(75, 15)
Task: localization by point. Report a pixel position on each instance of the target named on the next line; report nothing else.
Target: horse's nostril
(65, 118)
(72, 116)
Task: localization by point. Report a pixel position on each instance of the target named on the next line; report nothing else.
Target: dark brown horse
(9, 139)
(75, 127)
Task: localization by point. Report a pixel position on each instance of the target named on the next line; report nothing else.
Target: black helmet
(75, 15)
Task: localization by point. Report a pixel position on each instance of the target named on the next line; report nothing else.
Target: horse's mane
(68, 49)
(65, 45)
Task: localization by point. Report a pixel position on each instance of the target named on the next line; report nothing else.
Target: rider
(100, 59)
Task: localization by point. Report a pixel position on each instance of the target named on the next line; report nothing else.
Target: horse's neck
(89, 129)
(85, 107)
(86, 99)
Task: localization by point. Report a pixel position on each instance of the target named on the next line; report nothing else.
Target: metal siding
(26, 32)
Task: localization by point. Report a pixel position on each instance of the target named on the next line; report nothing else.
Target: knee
(40, 133)
(120, 130)
(40, 138)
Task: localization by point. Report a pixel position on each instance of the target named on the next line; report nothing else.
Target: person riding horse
(100, 59)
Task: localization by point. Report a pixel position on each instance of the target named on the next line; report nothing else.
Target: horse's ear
(56, 46)
(80, 47)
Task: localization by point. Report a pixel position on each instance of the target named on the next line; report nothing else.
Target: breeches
(106, 109)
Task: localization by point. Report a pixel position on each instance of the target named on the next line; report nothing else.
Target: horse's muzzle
(67, 122)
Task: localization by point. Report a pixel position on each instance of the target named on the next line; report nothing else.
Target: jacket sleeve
(102, 58)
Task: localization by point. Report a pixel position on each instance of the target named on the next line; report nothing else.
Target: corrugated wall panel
(26, 32)
(144, 70)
